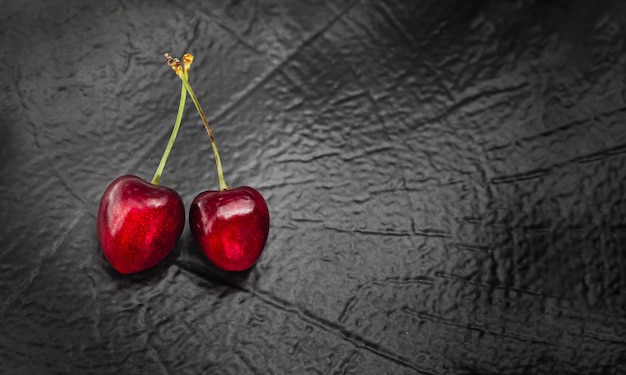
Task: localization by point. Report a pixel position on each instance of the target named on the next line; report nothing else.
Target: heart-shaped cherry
(230, 225)
(138, 223)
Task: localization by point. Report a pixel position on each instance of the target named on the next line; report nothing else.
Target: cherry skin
(231, 226)
(138, 223)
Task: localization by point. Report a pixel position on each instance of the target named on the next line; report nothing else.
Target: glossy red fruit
(138, 223)
(231, 226)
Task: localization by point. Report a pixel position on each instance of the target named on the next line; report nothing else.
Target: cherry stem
(170, 143)
(220, 173)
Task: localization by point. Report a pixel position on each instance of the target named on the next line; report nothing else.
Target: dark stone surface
(446, 180)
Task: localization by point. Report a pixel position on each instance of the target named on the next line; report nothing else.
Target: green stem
(170, 143)
(218, 162)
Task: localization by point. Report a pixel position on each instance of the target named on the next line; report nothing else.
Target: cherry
(230, 225)
(139, 222)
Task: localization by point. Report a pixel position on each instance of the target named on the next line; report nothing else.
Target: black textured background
(446, 182)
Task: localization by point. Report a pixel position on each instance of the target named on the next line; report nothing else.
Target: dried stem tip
(187, 60)
(173, 62)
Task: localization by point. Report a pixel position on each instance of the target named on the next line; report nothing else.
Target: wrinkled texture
(231, 226)
(446, 182)
(138, 223)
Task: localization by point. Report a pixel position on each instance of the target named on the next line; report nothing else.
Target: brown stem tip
(173, 62)
(187, 60)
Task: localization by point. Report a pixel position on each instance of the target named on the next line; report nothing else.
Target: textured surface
(446, 181)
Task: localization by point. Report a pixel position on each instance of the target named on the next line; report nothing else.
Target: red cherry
(138, 223)
(231, 226)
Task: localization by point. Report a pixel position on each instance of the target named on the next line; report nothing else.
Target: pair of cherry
(139, 222)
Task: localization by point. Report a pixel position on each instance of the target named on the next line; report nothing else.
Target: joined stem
(170, 143)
